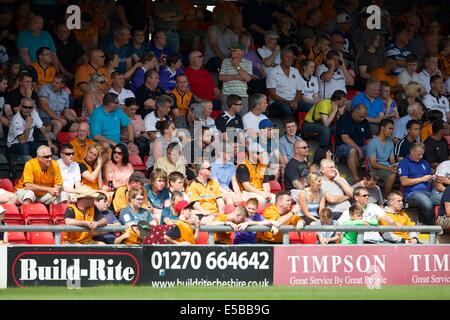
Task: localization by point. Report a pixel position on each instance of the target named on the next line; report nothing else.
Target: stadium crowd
(184, 130)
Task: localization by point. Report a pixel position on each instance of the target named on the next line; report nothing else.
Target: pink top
(120, 176)
(138, 126)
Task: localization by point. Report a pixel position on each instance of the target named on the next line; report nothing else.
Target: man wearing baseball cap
(137, 180)
(183, 232)
(235, 73)
(270, 52)
(83, 213)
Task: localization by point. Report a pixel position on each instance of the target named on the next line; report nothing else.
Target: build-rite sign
(371, 265)
(73, 266)
(235, 266)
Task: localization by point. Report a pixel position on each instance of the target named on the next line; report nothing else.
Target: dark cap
(137, 176)
(238, 46)
(145, 228)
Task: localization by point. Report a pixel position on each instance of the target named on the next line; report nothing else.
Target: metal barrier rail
(432, 230)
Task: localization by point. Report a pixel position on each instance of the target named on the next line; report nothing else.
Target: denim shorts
(343, 150)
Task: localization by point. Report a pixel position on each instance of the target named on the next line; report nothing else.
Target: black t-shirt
(445, 198)
(83, 167)
(243, 174)
(135, 12)
(142, 95)
(225, 121)
(436, 151)
(357, 131)
(15, 96)
(68, 53)
(294, 170)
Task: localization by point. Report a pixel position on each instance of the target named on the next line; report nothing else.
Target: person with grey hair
(202, 112)
(41, 179)
(106, 121)
(119, 45)
(163, 105)
(258, 106)
(415, 112)
(270, 52)
(284, 87)
(417, 180)
(20, 136)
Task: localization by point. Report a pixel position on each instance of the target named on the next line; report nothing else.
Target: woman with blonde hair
(311, 199)
(94, 97)
(91, 167)
(413, 92)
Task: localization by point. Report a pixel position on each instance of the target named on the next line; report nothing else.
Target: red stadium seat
(57, 212)
(41, 238)
(448, 140)
(216, 114)
(36, 213)
(229, 208)
(64, 137)
(17, 238)
(202, 237)
(7, 185)
(12, 215)
(304, 238)
(436, 210)
(351, 94)
(137, 162)
(275, 186)
(301, 120)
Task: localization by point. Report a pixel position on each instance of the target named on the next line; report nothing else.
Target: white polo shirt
(425, 80)
(309, 86)
(70, 173)
(404, 78)
(17, 127)
(443, 169)
(265, 52)
(437, 103)
(326, 89)
(124, 94)
(251, 121)
(286, 86)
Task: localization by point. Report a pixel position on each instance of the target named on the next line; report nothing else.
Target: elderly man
(206, 194)
(81, 142)
(106, 121)
(20, 136)
(84, 72)
(41, 179)
(258, 106)
(416, 178)
(118, 87)
(163, 105)
(83, 213)
(283, 84)
(352, 129)
(202, 112)
(235, 73)
(119, 45)
(146, 94)
(283, 213)
(202, 84)
(54, 106)
(339, 192)
(70, 171)
(253, 176)
(371, 99)
(333, 75)
(415, 112)
(270, 52)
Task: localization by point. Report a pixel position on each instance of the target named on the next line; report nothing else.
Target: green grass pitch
(228, 293)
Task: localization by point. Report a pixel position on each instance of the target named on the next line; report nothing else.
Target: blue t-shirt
(127, 215)
(156, 200)
(358, 131)
(373, 107)
(138, 79)
(381, 151)
(123, 52)
(223, 173)
(108, 124)
(246, 236)
(159, 52)
(412, 169)
(167, 79)
(167, 213)
(27, 40)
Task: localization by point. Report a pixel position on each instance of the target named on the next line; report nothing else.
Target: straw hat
(87, 192)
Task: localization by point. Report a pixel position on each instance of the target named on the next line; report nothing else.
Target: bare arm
(25, 56)
(406, 182)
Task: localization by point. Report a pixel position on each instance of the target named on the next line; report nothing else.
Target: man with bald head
(202, 84)
(81, 142)
(297, 167)
(84, 72)
(41, 179)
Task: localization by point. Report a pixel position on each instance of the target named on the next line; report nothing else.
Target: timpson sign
(73, 267)
(370, 265)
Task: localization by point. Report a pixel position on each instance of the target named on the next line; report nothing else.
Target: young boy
(101, 203)
(326, 219)
(182, 231)
(135, 234)
(356, 215)
(251, 218)
(169, 214)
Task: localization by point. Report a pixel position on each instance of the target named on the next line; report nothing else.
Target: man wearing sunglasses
(371, 211)
(70, 172)
(20, 136)
(41, 179)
